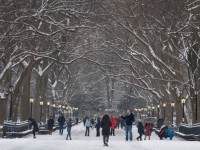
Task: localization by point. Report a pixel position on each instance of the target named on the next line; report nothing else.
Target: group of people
(146, 130)
(50, 124)
(108, 125)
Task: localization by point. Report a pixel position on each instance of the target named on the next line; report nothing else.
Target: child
(170, 133)
(69, 127)
(140, 130)
(148, 128)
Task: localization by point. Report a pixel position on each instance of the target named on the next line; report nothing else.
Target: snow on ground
(80, 142)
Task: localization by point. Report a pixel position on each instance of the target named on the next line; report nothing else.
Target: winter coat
(170, 133)
(61, 120)
(87, 123)
(105, 127)
(69, 124)
(50, 124)
(148, 128)
(98, 124)
(129, 119)
(113, 122)
(140, 128)
(34, 124)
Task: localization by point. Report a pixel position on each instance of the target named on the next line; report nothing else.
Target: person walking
(84, 121)
(98, 126)
(61, 121)
(105, 124)
(148, 127)
(140, 130)
(87, 125)
(113, 125)
(33, 124)
(50, 123)
(69, 127)
(129, 119)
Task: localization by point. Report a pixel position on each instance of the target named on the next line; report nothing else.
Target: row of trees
(102, 53)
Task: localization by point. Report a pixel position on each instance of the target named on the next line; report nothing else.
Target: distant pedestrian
(129, 119)
(118, 121)
(84, 121)
(61, 121)
(87, 125)
(92, 123)
(98, 126)
(34, 124)
(122, 123)
(113, 125)
(69, 127)
(140, 130)
(105, 124)
(77, 121)
(50, 123)
(148, 129)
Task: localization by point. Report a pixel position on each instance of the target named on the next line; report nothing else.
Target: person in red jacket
(148, 128)
(113, 125)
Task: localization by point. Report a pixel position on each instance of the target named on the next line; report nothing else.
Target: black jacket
(69, 124)
(50, 124)
(34, 124)
(61, 120)
(140, 128)
(129, 119)
(105, 124)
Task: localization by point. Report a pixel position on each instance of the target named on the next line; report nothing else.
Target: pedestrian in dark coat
(140, 130)
(50, 123)
(61, 121)
(69, 127)
(98, 126)
(105, 124)
(33, 124)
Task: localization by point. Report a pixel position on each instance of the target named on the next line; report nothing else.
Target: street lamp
(149, 108)
(48, 109)
(183, 102)
(158, 111)
(11, 88)
(164, 106)
(153, 111)
(172, 105)
(41, 110)
(31, 102)
(196, 93)
(54, 106)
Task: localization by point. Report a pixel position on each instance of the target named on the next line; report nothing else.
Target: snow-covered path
(80, 142)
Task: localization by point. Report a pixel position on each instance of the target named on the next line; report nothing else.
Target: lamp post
(153, 111)
(172, 105)
(164, 106)
(158, 111)
(63, 107)
(60, 106)
(196, 115)
(11, 88)
(31, 102)
(54, 106)
(48, 109)
(149, 109)
(41, 110)
(183, 102)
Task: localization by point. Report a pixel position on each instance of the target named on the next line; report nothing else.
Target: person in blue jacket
(170, 133)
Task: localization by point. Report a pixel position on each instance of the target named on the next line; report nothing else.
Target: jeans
(129, 132)
(87, 132)
(68, 134)
(61, 129)
(139, 137)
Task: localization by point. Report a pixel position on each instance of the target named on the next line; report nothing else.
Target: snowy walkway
(80, 142)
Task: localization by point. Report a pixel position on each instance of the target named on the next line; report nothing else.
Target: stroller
(163, 132)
